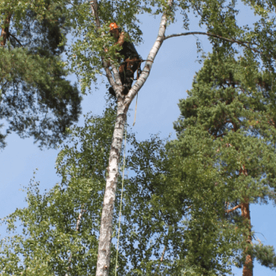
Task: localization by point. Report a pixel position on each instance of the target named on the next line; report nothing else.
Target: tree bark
(248, 264)
(123, 103)
(103, 261)
(5, 31)
(77, 230)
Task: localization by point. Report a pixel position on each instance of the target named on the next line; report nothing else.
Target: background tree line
(186, 208)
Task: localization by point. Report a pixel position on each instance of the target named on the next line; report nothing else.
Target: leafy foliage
(182, 200)
(227, 127)
(172, 215)
(61, 227)
(265, 255)
(36, 98)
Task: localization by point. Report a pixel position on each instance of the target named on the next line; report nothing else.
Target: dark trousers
(127, 70)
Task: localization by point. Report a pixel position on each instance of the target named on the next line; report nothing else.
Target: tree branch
(16, 39)
(94, 11)
(116, 74)
(77, 230)
(5, 31)
(152, 54)
(233, 209)
(243, 43)
(220, 135)
(162, 257)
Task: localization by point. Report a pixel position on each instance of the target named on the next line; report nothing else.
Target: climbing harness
(139, 71)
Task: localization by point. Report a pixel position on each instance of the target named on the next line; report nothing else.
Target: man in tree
(131, 62)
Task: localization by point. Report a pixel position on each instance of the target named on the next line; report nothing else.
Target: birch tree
(114, 155)
(60, 227)
(88, 59)
(213, 15)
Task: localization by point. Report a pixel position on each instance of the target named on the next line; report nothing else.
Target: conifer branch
(16, 39)
(233, 209)
(5, 31)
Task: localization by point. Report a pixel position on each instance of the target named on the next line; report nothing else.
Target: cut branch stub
(5, 30)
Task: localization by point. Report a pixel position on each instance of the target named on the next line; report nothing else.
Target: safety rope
(134, 121)
(123, 176)
(127, 62)
(121, 203)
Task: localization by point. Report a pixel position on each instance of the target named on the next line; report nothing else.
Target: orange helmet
(113, 26)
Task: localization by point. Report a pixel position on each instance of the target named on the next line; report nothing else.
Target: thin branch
(150, 59)
(243, 43)
(94, 11)
(220, 135)
(79, 219)
(233, 209)
(162, 257)
(77, 230)
(15, 39)
(163, 254)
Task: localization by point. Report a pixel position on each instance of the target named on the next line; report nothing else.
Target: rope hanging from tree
(121, 203)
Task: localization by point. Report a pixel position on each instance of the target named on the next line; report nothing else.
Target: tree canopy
(227, 128)
(187, 199)
(36, 98)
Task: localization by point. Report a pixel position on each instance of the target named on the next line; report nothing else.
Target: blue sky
(172, 74)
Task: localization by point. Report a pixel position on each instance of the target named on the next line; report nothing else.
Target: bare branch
(94, 10)
(233, 209)
(162, 257)
(243, 43)
(77, 230)
(79, 219)
(152, 54)
(16, 39)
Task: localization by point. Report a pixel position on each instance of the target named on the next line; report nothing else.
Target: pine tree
(89, 60)
(36, 99)
(228, 124)
(182, 208)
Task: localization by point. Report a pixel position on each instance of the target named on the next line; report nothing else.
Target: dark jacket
(128, 49)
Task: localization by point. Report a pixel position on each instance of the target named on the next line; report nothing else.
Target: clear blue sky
(171, 76)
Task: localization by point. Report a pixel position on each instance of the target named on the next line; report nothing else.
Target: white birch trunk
(110, 192)
(103, 261)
